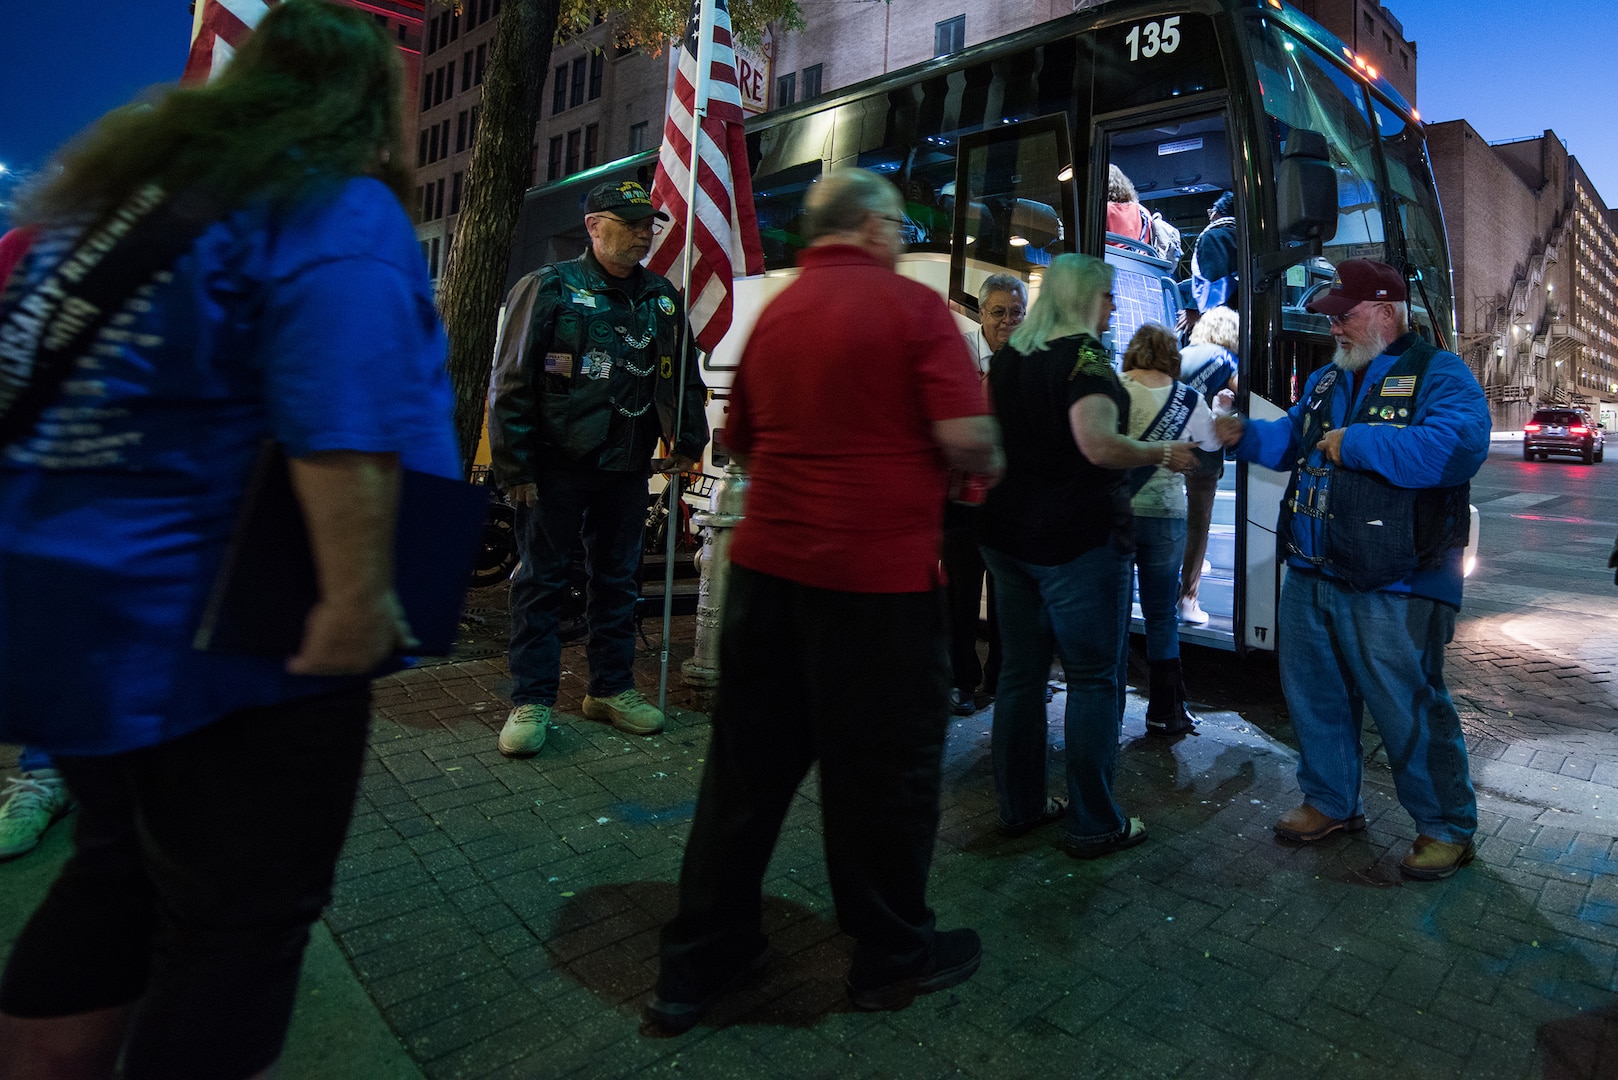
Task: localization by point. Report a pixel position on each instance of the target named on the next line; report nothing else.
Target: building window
(438, 86)
(637, 137)
(421, 151)
(432, 36)
(443, 138)
(449, 80)
(454, 25)
(496, 7)
(786, 90)
(427, 92)
(438, 200)
(483, 11)
(553, 164)
(432, 144)
(455, 193)
(576, 97)
(460, 132)
(1404, 58)
(1387, 43)
(559, 90)
(949, 36)
(432, 260)
(811, 82)
(426, 193)
(466, 71)
(472, 132)
(598, 65)
(1370, 26)
(483, 55)
(571, 164)
(590, 133)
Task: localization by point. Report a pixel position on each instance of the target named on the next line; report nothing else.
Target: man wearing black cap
(1381, 446)
(585, 381)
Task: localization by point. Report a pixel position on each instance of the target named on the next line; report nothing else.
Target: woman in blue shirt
(215, 789)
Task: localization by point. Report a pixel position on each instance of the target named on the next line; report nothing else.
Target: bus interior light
(1019, 241)
(1065, 175)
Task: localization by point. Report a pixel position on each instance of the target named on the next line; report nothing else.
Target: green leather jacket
(586, 373)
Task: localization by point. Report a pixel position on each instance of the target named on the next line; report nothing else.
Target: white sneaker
(34, 800)
(1191, 612)
(525, 730)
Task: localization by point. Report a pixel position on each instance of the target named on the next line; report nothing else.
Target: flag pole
(705, 22)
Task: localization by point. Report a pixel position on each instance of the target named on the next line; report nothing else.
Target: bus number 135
(1159, 37)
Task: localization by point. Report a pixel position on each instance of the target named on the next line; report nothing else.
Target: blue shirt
(313, 326)
(1444, 443)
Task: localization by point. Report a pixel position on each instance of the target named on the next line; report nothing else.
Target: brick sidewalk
(503, 914)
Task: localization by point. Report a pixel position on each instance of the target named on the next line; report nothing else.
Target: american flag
(726, 225)
(220, 28)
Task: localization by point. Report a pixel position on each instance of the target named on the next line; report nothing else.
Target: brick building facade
(1534, 257)
(1373, 32)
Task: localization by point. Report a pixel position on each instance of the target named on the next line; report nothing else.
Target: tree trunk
(474, 279)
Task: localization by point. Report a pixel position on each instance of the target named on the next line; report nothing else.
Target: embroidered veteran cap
(625, 198)
(1360, 281)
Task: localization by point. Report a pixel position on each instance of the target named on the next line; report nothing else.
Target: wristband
(1168, 452)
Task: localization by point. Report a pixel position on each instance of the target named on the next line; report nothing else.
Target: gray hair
(1009, 283)
(840, 201)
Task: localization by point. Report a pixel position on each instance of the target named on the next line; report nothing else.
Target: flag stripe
(223, 27)
(726, 225)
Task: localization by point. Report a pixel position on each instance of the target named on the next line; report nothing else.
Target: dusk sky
(1509, 69)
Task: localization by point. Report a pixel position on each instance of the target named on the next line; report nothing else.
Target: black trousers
(199, 866)
(859, 682)
(963, 566)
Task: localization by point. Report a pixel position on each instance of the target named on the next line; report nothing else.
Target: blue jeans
(609, 509)
(1159, 549)
(1079, 610)
(1343, 651)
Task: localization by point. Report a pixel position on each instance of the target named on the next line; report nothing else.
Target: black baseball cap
(1360, 281)
(626, 199)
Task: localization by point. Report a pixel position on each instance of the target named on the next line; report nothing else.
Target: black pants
(963, 565)
(199, 866)
(857, 681)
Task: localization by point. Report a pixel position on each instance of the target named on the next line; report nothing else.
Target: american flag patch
(1399, 386)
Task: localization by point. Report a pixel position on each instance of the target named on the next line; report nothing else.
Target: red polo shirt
(833, 404)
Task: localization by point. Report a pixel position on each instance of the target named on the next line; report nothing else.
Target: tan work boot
(1435, 860)
(1304, 824)
(628, 711)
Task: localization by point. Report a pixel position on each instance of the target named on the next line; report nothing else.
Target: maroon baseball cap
(1359, 281)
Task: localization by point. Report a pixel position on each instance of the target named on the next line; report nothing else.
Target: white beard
(1358, 357)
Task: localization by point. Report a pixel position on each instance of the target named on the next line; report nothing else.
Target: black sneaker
(956, 955)
(678, 1017)
(960, 702)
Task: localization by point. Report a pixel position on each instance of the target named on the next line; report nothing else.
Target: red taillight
(1578, 431)
(1531, 427)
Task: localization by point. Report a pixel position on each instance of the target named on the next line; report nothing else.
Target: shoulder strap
(44, 330)
(1172, 418)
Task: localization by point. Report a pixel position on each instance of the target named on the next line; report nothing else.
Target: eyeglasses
(1016, 314)
(648, 224)
(1342, 320)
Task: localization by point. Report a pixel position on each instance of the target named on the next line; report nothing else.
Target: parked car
(1563, 431)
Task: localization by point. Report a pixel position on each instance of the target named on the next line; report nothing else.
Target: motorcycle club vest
(1375, 533)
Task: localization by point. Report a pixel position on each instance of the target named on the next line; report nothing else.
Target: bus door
(1175, 247)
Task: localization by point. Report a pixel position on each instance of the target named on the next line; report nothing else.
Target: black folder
(267, 585)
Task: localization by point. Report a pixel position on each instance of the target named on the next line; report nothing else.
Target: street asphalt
(499, 918)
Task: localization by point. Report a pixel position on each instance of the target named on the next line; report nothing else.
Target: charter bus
(1002, 154)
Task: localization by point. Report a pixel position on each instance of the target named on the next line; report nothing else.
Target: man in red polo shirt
(854, 398)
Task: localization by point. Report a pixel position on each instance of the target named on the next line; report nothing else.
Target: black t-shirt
(1054, 505)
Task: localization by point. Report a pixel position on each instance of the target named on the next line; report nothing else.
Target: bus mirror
(1306, 188)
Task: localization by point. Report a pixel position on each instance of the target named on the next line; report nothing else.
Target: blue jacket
(1443, 442)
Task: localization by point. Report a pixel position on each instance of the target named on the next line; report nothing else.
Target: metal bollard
(729, 501)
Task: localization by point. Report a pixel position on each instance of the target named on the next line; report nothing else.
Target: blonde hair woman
(1057, 535)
